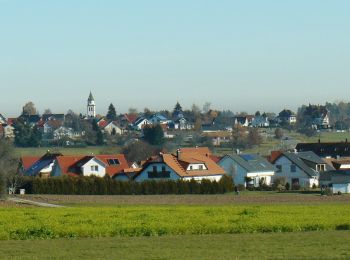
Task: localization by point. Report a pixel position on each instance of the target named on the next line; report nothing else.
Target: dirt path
(34, 203)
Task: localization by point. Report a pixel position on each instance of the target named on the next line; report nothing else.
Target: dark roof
(326, 149)
(59, 117)
(91, 97)
(337, 176)
(252, 162)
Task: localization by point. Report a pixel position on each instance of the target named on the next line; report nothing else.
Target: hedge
(107, 186)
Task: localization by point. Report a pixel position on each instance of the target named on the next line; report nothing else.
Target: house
(158, 119)
(338, 181)
(9, 131)
(50, 126)
(48, 117)
(318, 116)
(218, 137)
(261, 121)
(66, 132)
(127, 120)
(112, 128)
(140, 123)
(98, 165)
(186, 164)
(181, 123)
(286, 116)
(38, 166)
(244, 120)
(248, 169)
(300, 168)
(326, 150)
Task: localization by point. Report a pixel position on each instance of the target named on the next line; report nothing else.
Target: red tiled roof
(28, 161)
(67, 162)
(199, 150)
(131, 118)
(112, 170)
(179, 165)
(102, 124)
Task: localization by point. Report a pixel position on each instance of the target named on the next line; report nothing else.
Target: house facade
(248, 169)
(300, 169)
(185, 165)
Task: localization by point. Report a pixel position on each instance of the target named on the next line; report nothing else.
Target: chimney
(178, 153)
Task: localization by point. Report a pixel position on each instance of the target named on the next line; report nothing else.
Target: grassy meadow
(298, 245)
(161, 220)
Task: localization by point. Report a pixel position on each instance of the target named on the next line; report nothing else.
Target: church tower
(91, 107)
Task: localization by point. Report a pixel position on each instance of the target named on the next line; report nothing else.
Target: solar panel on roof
(247, 157)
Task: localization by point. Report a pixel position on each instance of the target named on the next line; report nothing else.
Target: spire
(91, 98)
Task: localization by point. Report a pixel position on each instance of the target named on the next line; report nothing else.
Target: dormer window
(201, 167)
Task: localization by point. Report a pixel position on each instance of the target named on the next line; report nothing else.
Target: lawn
(305, 245)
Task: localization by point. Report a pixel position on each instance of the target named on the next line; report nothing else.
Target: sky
(243, 55)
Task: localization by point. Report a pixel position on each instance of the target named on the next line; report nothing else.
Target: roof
(331, 149)
(335, 177)
(73, 164)
(199, 150)
(67, 162)
(91, 97)
(179, 165)
(112, 170)
(252, 162)
(41, 163)
(28, 161)
(131, 118)
(55, 124)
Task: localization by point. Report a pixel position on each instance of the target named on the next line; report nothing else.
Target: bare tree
(29, 109)
(9, 175)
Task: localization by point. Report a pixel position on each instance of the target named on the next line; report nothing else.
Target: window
(163, 168)
(191, 168)
(92, 168)
(201, 167)
(154, 168)
(293, 168)
(96, 168)
(113, 161)
(279, 168)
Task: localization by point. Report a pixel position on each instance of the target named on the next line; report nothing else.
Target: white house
(183, 165)
(248, 169)
(111, 128)
(141, 122)
(301, 168)
(261, 121)
(9, 131)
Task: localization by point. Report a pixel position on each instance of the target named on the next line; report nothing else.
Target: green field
(82, 222)
(305, 245)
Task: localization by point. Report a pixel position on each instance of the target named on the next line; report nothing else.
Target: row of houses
(299, 169)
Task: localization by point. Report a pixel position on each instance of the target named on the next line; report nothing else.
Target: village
(321, 165)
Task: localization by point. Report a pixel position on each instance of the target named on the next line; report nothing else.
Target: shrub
(107, 186)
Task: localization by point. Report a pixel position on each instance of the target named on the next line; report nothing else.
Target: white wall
(199, 178)
(87, 171)
(304, 179)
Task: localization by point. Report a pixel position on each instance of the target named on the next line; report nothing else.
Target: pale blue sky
(240, 55)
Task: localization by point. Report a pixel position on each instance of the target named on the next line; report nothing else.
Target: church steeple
(91, 106)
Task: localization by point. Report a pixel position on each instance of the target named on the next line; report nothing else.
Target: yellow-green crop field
(119, 221)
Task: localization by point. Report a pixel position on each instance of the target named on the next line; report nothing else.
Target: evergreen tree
(112, 114)
(154, 135)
